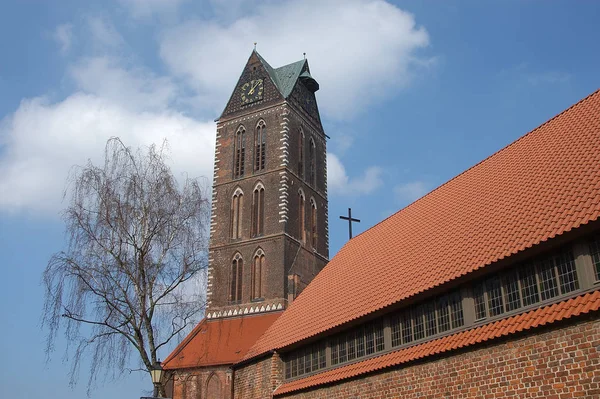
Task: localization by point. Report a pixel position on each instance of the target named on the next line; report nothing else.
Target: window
(301, 154)
(258, 266)
(301, 217)
(239, 152)
(532, 282)
(595, 252)
(237, 206)
(313, 223)
(260, 144)
(312, 177)
(258, 210)
(235, 292)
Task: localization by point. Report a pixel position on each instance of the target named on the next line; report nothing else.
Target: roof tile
(219, 341)
(540, 186)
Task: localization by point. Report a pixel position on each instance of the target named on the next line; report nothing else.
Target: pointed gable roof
(542, 185)
(285, 77)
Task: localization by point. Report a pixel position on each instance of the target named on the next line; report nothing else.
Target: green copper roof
(286, 76)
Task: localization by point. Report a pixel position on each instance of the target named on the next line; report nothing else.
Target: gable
(543, 185)
(256, 68)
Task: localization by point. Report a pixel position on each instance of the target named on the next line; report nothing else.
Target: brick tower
(269, 232)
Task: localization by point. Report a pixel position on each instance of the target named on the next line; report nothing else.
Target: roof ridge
(589, 96)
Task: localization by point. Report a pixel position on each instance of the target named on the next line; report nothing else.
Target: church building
(487, 287)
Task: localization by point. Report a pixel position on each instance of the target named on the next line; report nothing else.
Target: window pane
(295, 365)
(494, 292)
(307, 361)
(419, 327)
(529, 287)
(396, 327)
(322, 357)
(288, 368)
(567, 274)
(407, 335)
(548, 286)
(456, 311)
(301, 363)
(369, 340)
(430, 326)
(342, 348)
(334, 352)
(443, 314)
(379, 343)
(351, 346)
(479, 297)
(595, 251)
(315, 358)
(511, 291)
(360, 342)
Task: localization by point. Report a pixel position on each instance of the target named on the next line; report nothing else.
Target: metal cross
(350, 220)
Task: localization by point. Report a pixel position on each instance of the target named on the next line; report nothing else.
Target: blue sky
(412, 93)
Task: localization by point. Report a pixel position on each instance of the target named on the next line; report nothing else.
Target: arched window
(239, 152)
(260, 145)
(313, 223)
(213, 387)
(237, 209)
(258, 267)
(237, 266)
(301, 154)
(301, 216)
(312, 177)
(258, 210)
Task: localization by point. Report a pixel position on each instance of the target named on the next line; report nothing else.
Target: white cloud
(360, 50)
(103, 34)
(63, 35)
(409, 192)
(146, 8)
(339, 183)
(136, 87)
(42, 140)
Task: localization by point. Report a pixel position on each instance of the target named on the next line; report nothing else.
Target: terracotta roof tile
(538, 317)
(540, 186)
(219, 341)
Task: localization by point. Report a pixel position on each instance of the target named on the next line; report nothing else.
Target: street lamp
(156, 374)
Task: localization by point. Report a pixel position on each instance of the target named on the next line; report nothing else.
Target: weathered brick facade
(203, 383)
(561, 361)
(291, 260)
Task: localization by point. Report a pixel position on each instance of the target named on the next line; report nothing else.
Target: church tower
(269, 231)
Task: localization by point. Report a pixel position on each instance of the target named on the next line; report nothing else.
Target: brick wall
(562, 362)
(258, 379)
(197, 383)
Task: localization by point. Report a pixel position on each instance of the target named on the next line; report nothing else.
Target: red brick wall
(194, 383)
(259, 379)
(563, 362)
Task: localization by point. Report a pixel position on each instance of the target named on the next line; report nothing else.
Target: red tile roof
(542, 185)
(535, 318)
(219, 341)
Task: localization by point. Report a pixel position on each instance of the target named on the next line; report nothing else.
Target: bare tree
(134, 238)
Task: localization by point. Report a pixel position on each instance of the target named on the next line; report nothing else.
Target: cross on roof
(350, 220)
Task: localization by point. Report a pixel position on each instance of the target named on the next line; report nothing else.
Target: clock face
(252, 91)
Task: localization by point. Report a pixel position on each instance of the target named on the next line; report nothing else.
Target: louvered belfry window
(239, 152)
(260, 146)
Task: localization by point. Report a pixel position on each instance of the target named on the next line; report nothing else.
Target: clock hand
(254, 87)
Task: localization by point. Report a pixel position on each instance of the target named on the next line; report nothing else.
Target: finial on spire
(304, 55)
(254, 46)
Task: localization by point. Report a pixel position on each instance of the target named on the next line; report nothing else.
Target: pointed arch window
(301, 154)
(258, 267)
(313, 223)
(260, 146)
(237, 207)
(312, 177)
(301, 217)
(258, 210)
(239, 152)
(237, 267)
